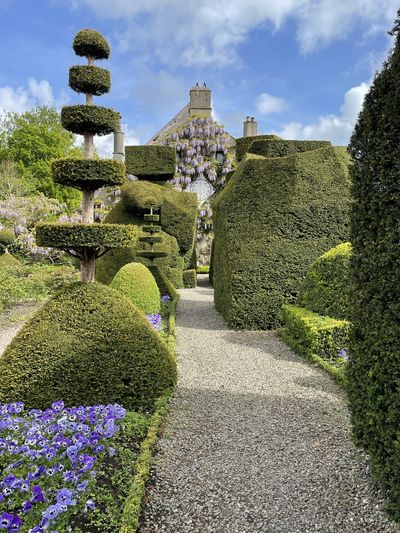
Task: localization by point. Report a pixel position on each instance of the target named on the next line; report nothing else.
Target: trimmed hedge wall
(137, 283)
(151, 162)
(374, 370)
(311, 333)
(243, 144)
(89, 174)
(89, 79)
(87, 345)
(91, 43)
(270, 225)
(282, 148)
(325, 289)
(70, 235)
(94, 119)
(189, 279)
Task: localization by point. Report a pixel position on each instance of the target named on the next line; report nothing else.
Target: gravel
(256, 440)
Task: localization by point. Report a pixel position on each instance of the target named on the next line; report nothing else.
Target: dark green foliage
(8, 260)
(74, 236)
(89, 79)
(165, 286)
(87, 345)
(137, 283)
(243, 144)
(326, 287)
(7, 237)
(281, 148)
(151, 162)
(189, 279)
(151, 218)
(150, 239)
(91, 119)
(89, 174)
(312, 334)
(178, 211)
(374, 374)
(270, 225)
(91, 43)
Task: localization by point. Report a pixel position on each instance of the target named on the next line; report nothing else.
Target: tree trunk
(88, 207)
(88, 266)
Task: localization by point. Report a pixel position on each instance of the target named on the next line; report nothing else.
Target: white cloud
(20, 99)
(206, 32)
(268, 104)
(334, 128)
(105, 144)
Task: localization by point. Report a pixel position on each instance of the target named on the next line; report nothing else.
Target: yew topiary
(80, 240)
(137, 283)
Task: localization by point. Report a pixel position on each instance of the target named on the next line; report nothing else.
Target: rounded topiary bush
(326, 286)
(7, 260)
(88, 344)
(91, 43)
(137, 283)
(7, 237)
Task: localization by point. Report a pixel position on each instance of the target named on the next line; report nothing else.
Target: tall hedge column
(88, 241)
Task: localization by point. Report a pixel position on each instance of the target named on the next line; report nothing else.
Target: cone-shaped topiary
(137, 283)
(88, 243)
(80, 331)
(374, 370)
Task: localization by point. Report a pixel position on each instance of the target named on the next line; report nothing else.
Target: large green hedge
(151, 162)
(243, 144)
(374, 370)
(326, 287)
(88, 174)
(137, 283)
(271, 221)
(87, 345)
(282, 148)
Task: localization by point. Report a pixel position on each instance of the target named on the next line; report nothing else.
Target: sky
(300, 67)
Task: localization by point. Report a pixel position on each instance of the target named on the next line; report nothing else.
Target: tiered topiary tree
(151, 229)
(374, 370)
(87, 241)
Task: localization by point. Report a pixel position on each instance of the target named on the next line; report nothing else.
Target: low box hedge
(189, 279)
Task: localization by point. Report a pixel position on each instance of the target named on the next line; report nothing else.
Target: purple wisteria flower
(343, 354)
(165, 299)
(48, 461)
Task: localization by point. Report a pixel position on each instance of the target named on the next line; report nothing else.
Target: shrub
(310, 333)
(189, 278)
(203, 269)
(7, 260)
(151, 162)
(7, 237)
(325, 289)
(137, 283)
(93, 119)
(269, 226)
(87, 345)
(282, 148)
(91, 43)
(375, 275)
(88, 173)
(243, 144)
(89, 79)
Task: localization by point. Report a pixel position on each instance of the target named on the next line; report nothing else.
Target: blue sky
(301, 67)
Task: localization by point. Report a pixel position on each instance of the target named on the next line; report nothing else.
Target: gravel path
(256, 440)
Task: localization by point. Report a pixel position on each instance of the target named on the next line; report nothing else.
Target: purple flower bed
(49, 461)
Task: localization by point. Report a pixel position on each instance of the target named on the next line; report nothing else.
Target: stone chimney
(200, 101)
(250, 127)
(119, 144)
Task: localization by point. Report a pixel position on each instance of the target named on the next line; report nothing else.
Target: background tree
(32, 140)
(374, 370)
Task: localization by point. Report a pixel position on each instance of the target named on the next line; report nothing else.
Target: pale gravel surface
(256, 440)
